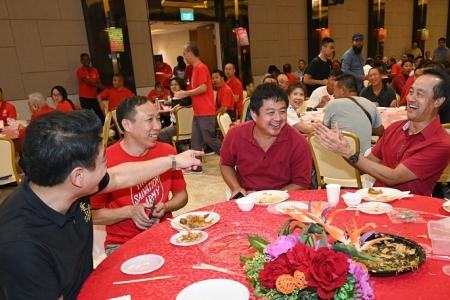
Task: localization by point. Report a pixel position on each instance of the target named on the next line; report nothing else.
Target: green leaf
(257, 242)
(323, 240)
(285, 228)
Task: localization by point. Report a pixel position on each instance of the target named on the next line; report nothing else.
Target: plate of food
(269, 197)
(188, 238)
(446, 206)
(393, 256)
(195, 220)
(374, 208)
(380, 194)
(142, 264)
(291, 207)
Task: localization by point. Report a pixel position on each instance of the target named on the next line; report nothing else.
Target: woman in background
(59, 96)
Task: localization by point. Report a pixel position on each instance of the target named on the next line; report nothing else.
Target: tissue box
(439, 233)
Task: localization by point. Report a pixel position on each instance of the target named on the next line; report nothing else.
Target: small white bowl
(245, 203)
(352, 199)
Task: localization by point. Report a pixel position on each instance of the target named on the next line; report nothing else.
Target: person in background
(125, 212)
(89, 82)
(38, 106)
(163, 72)
(283, 81)
(7, 109)
(322, 95)
(159, 92)
(319, 68)
(369, 65)
(273, 70)
(269, 79)
(394, 67)
(415, 51)
(287, 69)
(352, 60)
(59, 96)
(296, 95)
(400, 79)
(378, 91)
(179, 70)
(236, 86)
(114, 95)
(225, 96)
(442, 53)
(301, 67)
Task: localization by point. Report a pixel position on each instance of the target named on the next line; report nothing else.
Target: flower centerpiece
(317, 263)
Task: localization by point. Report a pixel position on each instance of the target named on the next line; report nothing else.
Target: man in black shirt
(319, 68)
(45, 225)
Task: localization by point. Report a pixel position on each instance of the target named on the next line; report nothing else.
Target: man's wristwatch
(174, 162)
(354, 158)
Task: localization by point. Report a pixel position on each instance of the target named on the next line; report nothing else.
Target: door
(205, 39)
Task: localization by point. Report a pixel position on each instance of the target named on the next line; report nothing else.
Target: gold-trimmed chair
(184, 116)
(245, 105)
(8, 169)
(116, 123)
(107, 134)
(224, 121)
(333, 168)
(445, 176)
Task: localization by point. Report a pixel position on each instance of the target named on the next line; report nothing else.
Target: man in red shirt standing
(412, 153)
(202, 94)
(236, 86)
(225, 96)
(114, 95)
(7, 110)
(89, 81)
(163, 72)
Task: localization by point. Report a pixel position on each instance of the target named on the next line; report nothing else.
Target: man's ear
(439, 101)
(253, 114)
(126, 124)
(77, 177)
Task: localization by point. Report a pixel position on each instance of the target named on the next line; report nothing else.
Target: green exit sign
(187, 14)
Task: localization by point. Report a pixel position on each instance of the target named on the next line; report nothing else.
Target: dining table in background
(428, 282)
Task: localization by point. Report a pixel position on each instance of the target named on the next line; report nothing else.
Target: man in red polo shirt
(114, 95)
(202, 94)
(412, 153)
(38, 106)
(7, 110)
(236, 86)
(225, 96)
(163, 72)
(266, 153)
(89, 81)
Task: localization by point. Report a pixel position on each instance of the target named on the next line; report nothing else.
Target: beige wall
(277, 33)
(41, 41)
(398, 22)
(170, 45)
(345, 20)
(436, 22)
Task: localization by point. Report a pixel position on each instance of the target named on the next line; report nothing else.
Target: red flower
(300, 257)
(327, 272)
(272, 269)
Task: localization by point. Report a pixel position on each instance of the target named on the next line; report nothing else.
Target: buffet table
(428, 282)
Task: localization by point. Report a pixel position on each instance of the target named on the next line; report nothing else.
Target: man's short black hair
(84, 54)
(193, 48)
(287, 68)
(58, 142)
(126, 109)
(442, 39)
(348, 81)
(325, 41)
(335, 73)
(442, 88)
(220, 72)
(267, 91)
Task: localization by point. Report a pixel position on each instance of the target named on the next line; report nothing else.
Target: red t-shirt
(153, 94)
(188, 75)
(279, 166)
(292, 78)
(236, 86)
(426, 154)
(225, 97)
(115, 96)
(165, 69)
(399, 82)
(395, 69)
(44, 110)
(151, 192)
(203, 104)
(7, 110)
(85, 90)
(64, 106)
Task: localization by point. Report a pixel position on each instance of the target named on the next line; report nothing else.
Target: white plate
(294, 206)
(213, 216)
(446, 206)
(374, 208)
(269, 197)
(175, 239)
(142, 264)
(388, 194)
(217, 289)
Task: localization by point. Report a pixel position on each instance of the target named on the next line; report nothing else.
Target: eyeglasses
(56, 94)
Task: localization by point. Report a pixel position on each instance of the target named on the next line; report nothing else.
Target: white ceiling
(172, 26)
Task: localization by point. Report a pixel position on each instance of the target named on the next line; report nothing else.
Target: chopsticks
(202, 266)
(144, 279)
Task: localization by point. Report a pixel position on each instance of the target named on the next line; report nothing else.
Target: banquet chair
(245, 105)
(107, 133)
(445, 176)
(116, 123)
(184, 116)
(333, 168)
(8, 170)
(224, 121)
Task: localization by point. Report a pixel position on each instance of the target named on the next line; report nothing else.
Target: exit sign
(187, 14)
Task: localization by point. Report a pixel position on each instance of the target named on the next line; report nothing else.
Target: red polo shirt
(153, 94)
(203, 104)
(225, 97)
(44, 110)
(426, 154)
(287, 161)
(7, 110)
(85, 90)
(408, 84)
(64, 106)
(236, 86)
(115, 96)
(292, 78)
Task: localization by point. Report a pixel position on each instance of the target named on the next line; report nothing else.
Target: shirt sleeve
(376, 119)
(311, 69)
(292, 117)
(105, 94)
(346, 62)
(314, 99)
(327, 115)
(227, 153)
(301, 163)
(202, 76)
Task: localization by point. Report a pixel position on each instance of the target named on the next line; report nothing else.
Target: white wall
(170, 45)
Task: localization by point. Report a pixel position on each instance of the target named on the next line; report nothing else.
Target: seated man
(412, 153)
(353, 113)
(322, 95)
(265, 153)
(124, 211)
(7, 109)
(38, 106)
(379, 92)
(225, 96)
(45, 225)
(159, 92)
(114, 95)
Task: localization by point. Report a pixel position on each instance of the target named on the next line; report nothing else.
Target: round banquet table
(428, 282)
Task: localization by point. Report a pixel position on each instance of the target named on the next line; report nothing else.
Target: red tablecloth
(428, 282)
